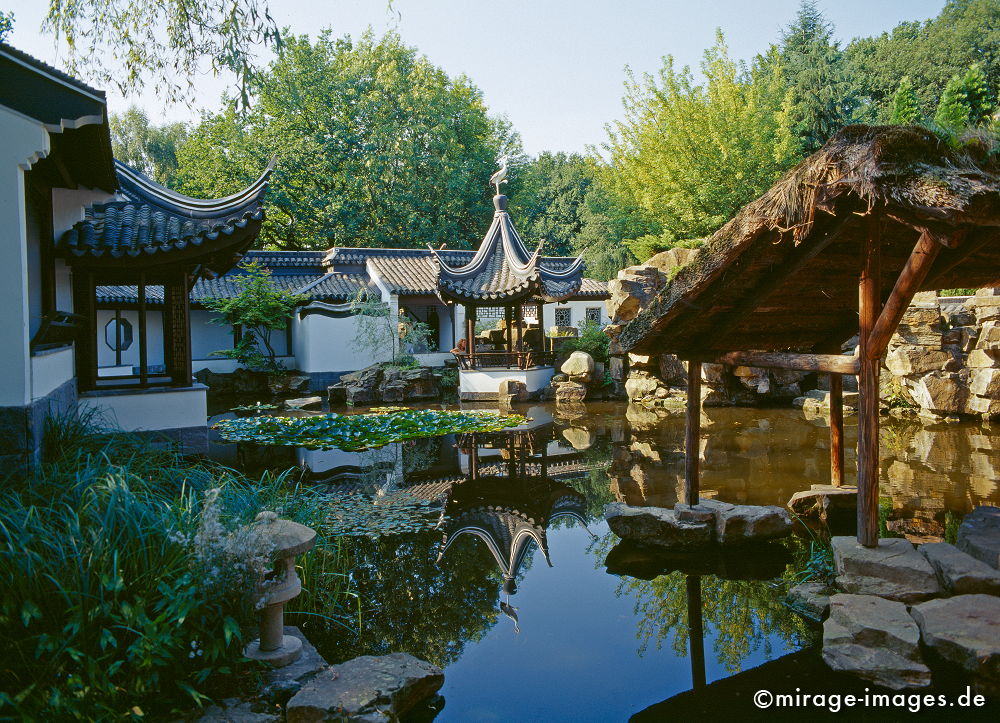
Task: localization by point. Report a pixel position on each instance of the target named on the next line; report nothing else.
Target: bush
(129, 577)
(592, 340)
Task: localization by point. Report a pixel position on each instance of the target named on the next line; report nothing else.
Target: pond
(492, 558)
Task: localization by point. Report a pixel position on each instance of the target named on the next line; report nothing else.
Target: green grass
(128, 580)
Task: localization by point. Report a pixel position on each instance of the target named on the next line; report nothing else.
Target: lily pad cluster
(393, 513)
(354, 432)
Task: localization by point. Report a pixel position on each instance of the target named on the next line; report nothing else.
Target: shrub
(592, 340)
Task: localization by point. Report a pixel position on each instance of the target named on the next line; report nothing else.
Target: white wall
(50, 370)
(578, 312)
(325, 344)
(130, 357)
(479, 381)
(164, 408)
(207, 337)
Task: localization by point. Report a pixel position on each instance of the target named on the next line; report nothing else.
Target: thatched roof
(783, 274)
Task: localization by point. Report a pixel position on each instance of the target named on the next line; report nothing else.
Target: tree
(977, 95)
(816, 73)
(929, 52)
(148, 148)
(375, 146)
(6, 24)
(162, 43)
(905, 106)
(259, 309)
(377, 330)
(953, 112)
(549, 199)
(688, 155)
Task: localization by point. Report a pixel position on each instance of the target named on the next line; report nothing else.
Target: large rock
(580, 437)
(964, 631)
(740, 524)
(876, 640)
(811, 599)
(893, 570)
(656, 526)
(905, 361)
(304, 403)
(960, 573)
(513, 390)
(632, 290)
(979, 535)
(570, 392)
(822, 500)
(579, 367)
(940, 392)
(672, 370)
(373, 689)
(641, 384)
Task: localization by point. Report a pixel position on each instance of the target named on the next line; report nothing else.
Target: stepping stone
(740, 524)
(371, 688)
(965, 631)
(979, 535)
(959, 573)
(304, 403)
(811, 599)
(876, 640)
(656, 526)
(823, 498)
(893, 570)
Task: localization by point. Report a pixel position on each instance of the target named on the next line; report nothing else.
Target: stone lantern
(289, 539)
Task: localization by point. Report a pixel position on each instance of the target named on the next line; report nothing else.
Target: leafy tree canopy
(905, 104)
(151, 149)
(375, 146)
(6, 24)
(163, 43)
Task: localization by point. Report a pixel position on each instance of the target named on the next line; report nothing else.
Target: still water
(501, 569)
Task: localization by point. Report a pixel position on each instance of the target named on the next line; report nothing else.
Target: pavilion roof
(782, 275)
(148, 225)
(502, 270)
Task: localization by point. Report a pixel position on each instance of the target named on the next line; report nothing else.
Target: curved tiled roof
(148, 222)
(503, 270)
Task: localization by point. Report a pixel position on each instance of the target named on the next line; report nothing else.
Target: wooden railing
(505, 359)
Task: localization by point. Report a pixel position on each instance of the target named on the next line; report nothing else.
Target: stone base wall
(21, 428)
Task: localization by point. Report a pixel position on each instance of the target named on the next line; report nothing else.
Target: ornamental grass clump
(130, 578)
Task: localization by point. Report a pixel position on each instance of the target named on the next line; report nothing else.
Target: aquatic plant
(391, 513)
(255, 407)
(353, 432)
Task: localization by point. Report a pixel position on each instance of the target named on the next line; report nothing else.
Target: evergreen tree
(905, 106)
(816, 72)
(977, 94)
(953, 111)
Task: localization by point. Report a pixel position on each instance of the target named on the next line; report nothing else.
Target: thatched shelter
(835, 248)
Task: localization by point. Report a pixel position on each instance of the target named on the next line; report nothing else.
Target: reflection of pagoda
(508, 500)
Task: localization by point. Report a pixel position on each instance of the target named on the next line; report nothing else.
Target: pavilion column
(85, 304)
(508, 315)
(692, 434)
(868, 393)
(836, 430)
(470, 334)
(177, 329)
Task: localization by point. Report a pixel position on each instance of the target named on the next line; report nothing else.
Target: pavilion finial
(500, 176)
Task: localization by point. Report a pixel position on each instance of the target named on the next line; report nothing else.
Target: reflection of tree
(409, 604)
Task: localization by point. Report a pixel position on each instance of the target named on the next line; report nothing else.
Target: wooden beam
(910, 278)
(836, 430)
(868, 396)
(692, 434)
(967, 249)
(796, 260)
(829, 363)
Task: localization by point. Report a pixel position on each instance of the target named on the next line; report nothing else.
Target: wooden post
(696, 633)
(470, 334)
(508, 314)
(868, 397)
(692, 433)
(836, 430)
(85, 304)
(143, 350)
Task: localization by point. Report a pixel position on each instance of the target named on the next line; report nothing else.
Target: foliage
(551, 193)
(592, 340)
(150, 149)
(689, 155)
(391, 513)
(127, 588)
(375, 146)
(132, 44)
(816, 74)
(930, 53)
(905, 106)
(255, 407)
(6, 24)
(260, 308)
(953, 112)
(818, 566)
(361, 431)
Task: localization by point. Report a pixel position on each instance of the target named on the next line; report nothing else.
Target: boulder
(304, 403)
(359, 395)
(905, 361)
(336, 395)
(667, 261)
(288, 383)
(811, 599)
(821, 500)
(513, 390)
(960, 573)
(632, 290)
(370, 688)
(641, 384)
(579, 367)
(570, 392)
(656, 526)
(740, 524)
(579, 437)
(672, 370)
(979, 535)
(985, 382)
(941, 392)
(893, 570)
(234, 710)
(876, 640)
(420, 383)
(964, 631)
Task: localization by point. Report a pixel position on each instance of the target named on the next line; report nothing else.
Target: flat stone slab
(979, 535)
(893, 570)
(304, 403)
(876, 640)
(822, 498)
(656, 526)
(374, 689)
(742, 524)
(960, 573)
(964, 630)
(811, 599)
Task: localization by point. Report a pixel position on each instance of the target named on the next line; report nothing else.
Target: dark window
(594, 314)
(564, 317)
(118, 334)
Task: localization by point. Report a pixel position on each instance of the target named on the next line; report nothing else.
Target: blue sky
(554, 67)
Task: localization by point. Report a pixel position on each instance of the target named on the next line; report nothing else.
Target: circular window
(118, 334)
